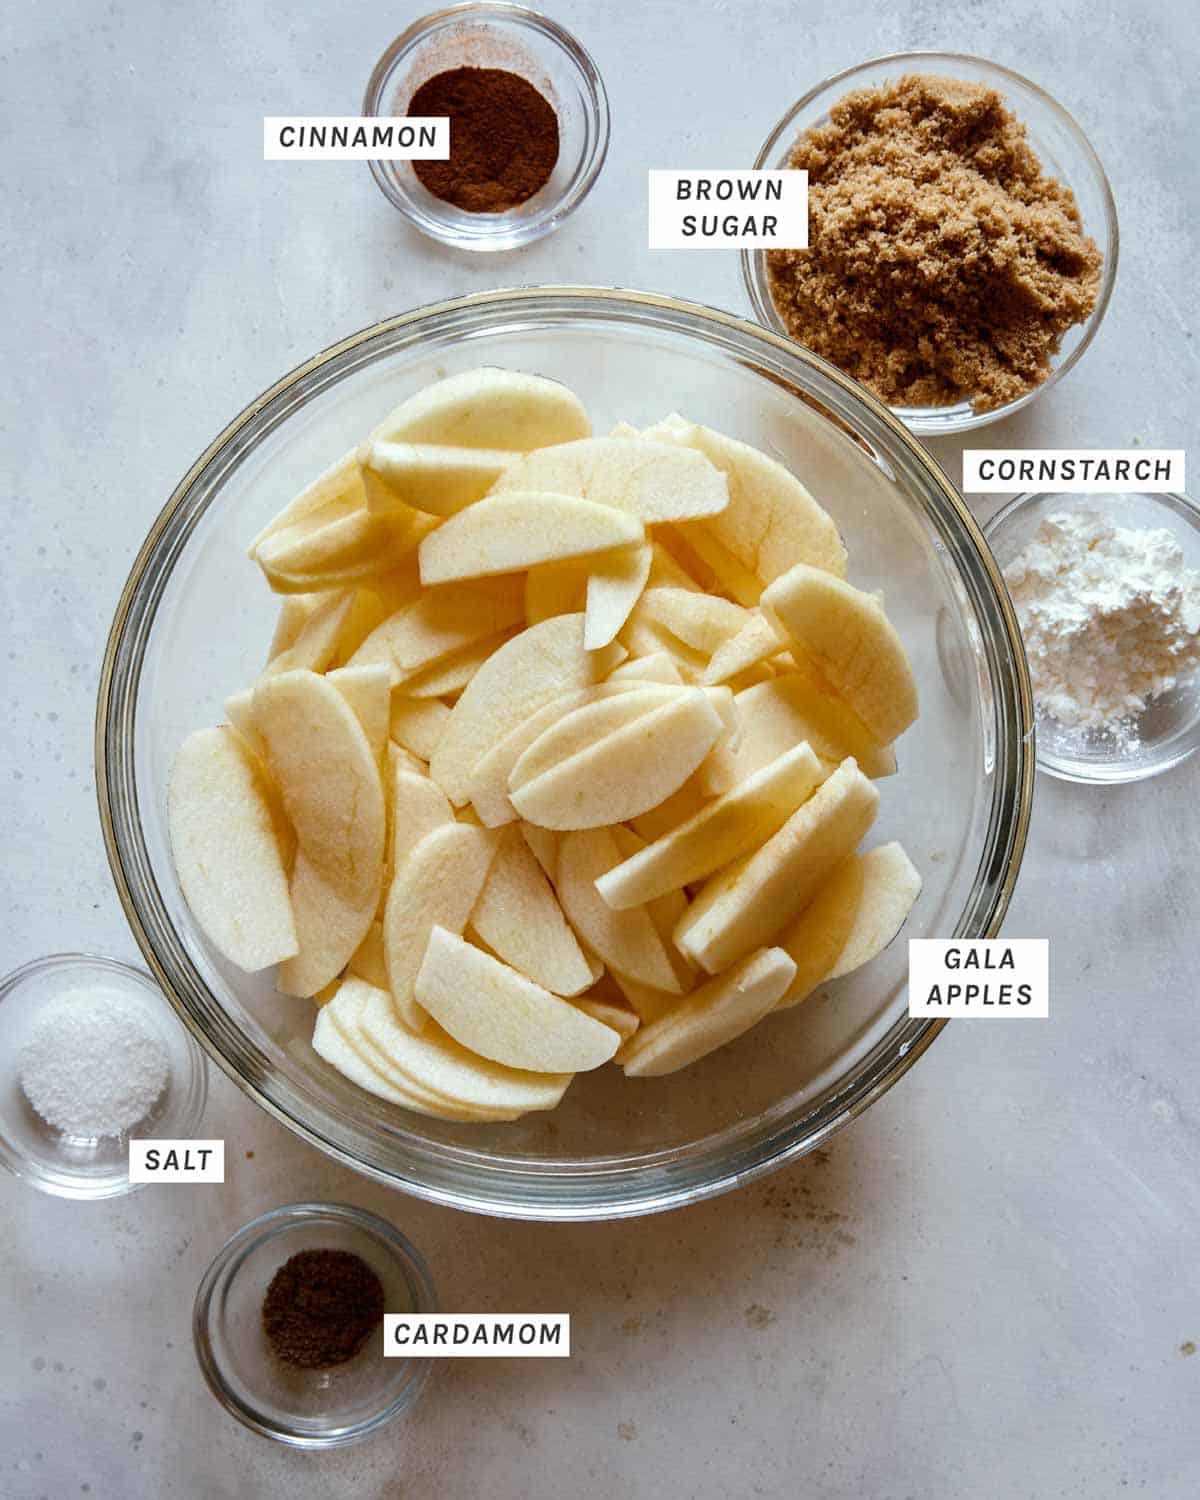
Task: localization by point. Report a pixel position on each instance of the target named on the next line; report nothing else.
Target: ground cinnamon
(944, 266)
(503, 138)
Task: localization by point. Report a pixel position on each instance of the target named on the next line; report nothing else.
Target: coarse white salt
(93, 1064)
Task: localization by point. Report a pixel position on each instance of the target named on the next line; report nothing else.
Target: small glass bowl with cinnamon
(513, 40)
(1064, 153)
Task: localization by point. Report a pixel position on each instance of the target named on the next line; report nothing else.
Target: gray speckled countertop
(988, 1285)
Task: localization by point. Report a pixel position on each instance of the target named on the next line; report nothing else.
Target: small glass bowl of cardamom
(316, 1403)
(529, 124)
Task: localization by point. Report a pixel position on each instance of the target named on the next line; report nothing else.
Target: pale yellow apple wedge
(299, 560)
(748, 903)
(440, 622)
(653, 481)
(665, 571)
(582, 727)
(819, 934)
(418, 807)
(642, 636)
(846, 635)
(330, 784)
(518, 916)
(627, 941)
(368, 691)
(488, 408)
(705, 622)
(666, 911)
(711, 1016)
(657, 667)
(446, 679)
(543, 845)
(435, 886)
(369, 962)
(536, 666)
(294, 611)
(556, 588)
(507, 533)
(615, 583)
(431, 477)
(628, 771)
(335, 492)
(418, 723)
(699, 550)
(316, 643)
(754, 644)
(891, 885)
(731, 825)
(227, 857)
(498, 1013)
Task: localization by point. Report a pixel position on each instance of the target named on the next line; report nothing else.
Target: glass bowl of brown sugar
(529, 124)
(900, 288)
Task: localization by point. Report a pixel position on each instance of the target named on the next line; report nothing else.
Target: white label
(1074, 471)
(703, 210)
(983, 977)
(356, 138)
(177, 1161)
(478, 1335)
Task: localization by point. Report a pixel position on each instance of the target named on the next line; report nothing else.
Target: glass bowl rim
(925, 418)
(1121, 773)
(447, 1174)
(195, 1084)
(552, 213)
(227, 1262)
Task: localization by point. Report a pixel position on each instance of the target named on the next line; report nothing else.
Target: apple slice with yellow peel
(439, 622)
(316, 643)
(747, 903)
(446, 679)
(771, 521)
(711, 1016)
(431, 477)
(846, 635)
(368, 691)
(518, 916)
(627, 941)
(615, 583)
(627, 771)
(540, 664)
(890, 886)
(432, 1059)
(754, 644)
(704, 622)
(436, 886)
(498, 1013)
(418, 724)
(657, 667)
(819, 934)
(301, 559)
(228, 859)
(509, 532)
(488, 408)
(739, 821)
(652, 481)
(581, 728)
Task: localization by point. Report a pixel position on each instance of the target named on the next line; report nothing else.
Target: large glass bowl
(192, 624)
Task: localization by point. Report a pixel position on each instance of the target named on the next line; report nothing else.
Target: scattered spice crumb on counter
(504, 138)
(944, 264)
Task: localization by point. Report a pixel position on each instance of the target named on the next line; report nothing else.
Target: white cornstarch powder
(1110, 616)
(93, 1064)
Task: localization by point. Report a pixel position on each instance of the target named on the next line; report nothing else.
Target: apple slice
(627, 940)
(819, 934)
(666, 573)
(695, 544)
(335, 492)
(368, 692)
(579, 729)
(294, 611)
(666, 911)
(675, 809)
(329, 1042)
(771, 521)
(628, 771)
(436, 886)
(446, 679)
(846, 635)
(890, 886)
(519, 918)
(431, 477)
(541, 663)
(500, 1014)
(369, 962)
(659, 666)
(488, 408)
(227, 857)
(614, 585)
(418, 807)
(418, 724)
(330, 784)
(752, 646)
(618, 1016)
(556, 588)
(748, 902)
(652, 481)
(704, 622)
(441, 621)
(316, 644)
(647, 1002)
(438, 1063)
(301, 559)
(739, 821)
(509, 532)
(710, 1016)
(543, 845)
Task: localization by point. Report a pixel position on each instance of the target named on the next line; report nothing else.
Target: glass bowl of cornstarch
(1107, 592)
(91, 1056)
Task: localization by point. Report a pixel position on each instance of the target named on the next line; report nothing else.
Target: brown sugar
(944, 266)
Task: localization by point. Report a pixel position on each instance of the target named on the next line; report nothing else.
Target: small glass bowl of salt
(91, 1055)
(1107, 594)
